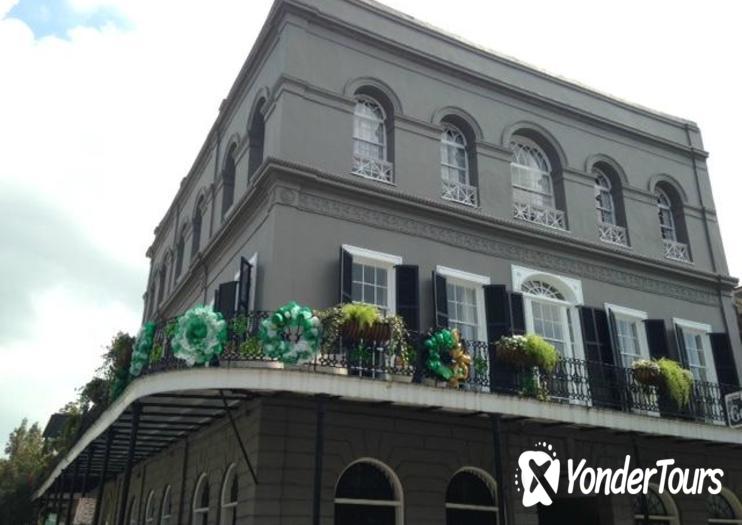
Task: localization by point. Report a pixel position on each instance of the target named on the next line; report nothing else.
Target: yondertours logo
(539, 471)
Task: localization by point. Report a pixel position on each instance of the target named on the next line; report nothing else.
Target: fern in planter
(678, 381)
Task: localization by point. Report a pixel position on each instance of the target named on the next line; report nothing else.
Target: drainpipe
(181, 503)
(319, 448)
(642, 496)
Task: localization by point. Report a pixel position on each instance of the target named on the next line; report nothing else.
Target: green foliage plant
(678, 381)
(363, 314)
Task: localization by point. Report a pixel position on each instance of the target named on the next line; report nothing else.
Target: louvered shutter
(346, 277)
(440, 301)
(227, 299)
(505, 316)
(602, 374)
(726, 369)
(408, 295)
(245, 284)
(657, 338)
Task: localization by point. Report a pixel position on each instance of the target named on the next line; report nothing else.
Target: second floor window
(604, 198)
(454, 164)
(531, 172)
(665, 211)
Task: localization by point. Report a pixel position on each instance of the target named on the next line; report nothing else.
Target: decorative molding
(504, 249)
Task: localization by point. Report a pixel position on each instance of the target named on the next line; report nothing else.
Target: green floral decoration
(439, 346)
(291, 335)
(142, 349)
(199, 336)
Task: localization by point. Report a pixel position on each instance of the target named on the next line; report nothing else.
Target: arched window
(370, 140)
(201, 501)
(724, 508)
(455, 175)
(161, 284)
(368, 493)
(666, 214)
(256, 136)
(198, 213)
(471, 499)
(604, 198)
(230, 496)
(131, 513)
(228, 174)
(179, 253)
(149, 509)
(166, 508)
(661, 508)
(531, 172)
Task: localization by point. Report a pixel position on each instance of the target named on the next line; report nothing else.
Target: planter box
(377, 332)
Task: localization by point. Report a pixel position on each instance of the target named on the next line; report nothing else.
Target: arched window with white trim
(604, 197)
(201, 501)
(724, 508)
(532, 173)
(149, 509)
(131, 513)
(661, 508)
(666, 215)
(230, 496)
(456, 181)
(471, 499)
(370, 151)
(166, 507)
(368, 493)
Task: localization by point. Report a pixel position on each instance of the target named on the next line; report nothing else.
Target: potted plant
(646, 372)
(677, 382)
(363, 322)
(531, 355)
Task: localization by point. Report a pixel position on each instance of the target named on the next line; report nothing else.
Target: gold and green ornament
(200, 335)
(447, 358)
(291, 335)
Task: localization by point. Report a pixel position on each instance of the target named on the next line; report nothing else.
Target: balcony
(573, 381)
(549, 217)
(676, 251)
(375, 169)
(459, 192)
(613, 234)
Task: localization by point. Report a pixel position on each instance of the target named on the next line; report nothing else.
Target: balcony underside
(178, 402)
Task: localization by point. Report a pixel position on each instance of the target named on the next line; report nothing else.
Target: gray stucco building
(362, 155)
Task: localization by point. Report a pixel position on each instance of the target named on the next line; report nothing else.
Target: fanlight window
(367, 494)
(604, 198)
(166, 510)
(658, 511)
(541, 289)
(667, 221)
(201, 502)
(369, 130)
(132, 513)
(720, 510)
(230, 496)
(531, 172)
(471, 500)
(454, 162)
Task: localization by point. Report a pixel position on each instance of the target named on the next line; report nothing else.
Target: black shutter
(498, 311)
(440, 301)
(682, 353)
(216, 299)
(726, 370)
(599, 353)
(346, 277)
(408, 295)
(657, 338)
(227, 298)
(517, 313)
(243, 305)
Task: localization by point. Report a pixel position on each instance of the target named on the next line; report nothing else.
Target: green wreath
(200, 336)
(291, 335)
(142, 349)
(447, 357)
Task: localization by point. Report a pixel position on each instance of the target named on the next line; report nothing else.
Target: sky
(104, 105)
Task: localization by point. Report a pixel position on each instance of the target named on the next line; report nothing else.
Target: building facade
(364, 156)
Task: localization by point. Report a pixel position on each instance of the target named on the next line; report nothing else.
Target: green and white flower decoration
(291, 335)
(200, 336)
(142, 349)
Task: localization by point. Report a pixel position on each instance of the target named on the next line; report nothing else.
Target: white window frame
(149, 514)
(734, 503)
(226, 491)
(526, 143)
(637, 316)
(470, 280)
(664, 203)
(491, 485)
(601, 188)
(379, 259)
(197, 511)
(397, 505)
(446, 166)
(703, 330)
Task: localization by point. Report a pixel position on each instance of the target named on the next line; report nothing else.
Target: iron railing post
(136, 411)
(102, 481)
(71, 495)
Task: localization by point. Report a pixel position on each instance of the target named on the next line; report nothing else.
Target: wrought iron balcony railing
(549, 217)
(375, 169)
(459, 192)
(613, 234)
(573, 381)
(677, 251)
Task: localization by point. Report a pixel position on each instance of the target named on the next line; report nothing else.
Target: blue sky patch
(56, 17)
